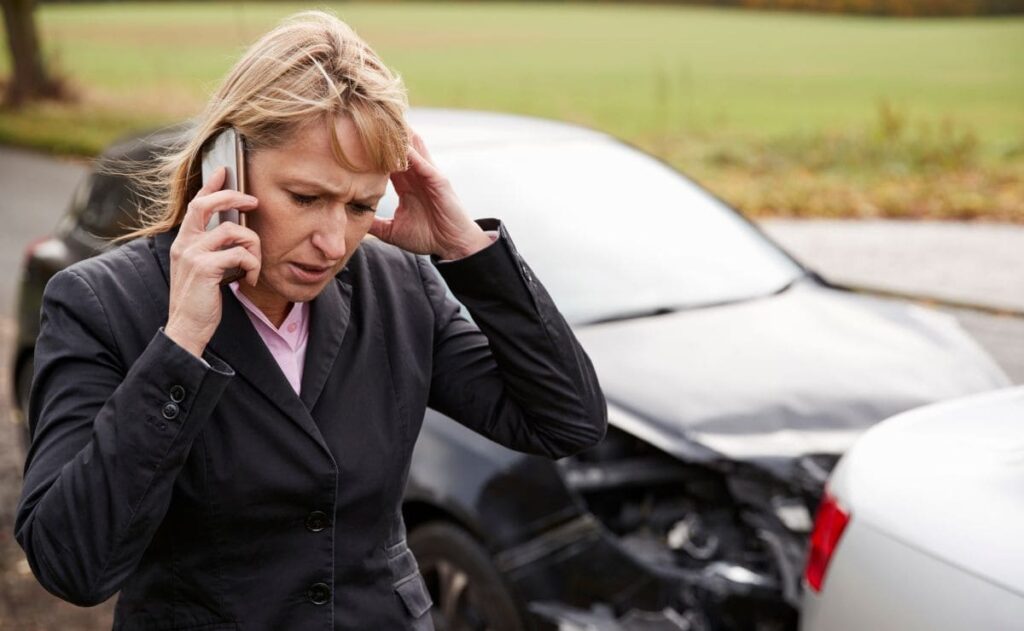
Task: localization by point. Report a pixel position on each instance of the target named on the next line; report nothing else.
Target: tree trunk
(29, 79)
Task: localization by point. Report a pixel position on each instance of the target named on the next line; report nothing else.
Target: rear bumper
(879, 583)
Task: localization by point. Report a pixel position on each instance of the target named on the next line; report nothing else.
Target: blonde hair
(311, 66)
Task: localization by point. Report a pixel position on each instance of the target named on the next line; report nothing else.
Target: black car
(735, 378)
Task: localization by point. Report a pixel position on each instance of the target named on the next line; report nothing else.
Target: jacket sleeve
(517, 374)
(108, 442)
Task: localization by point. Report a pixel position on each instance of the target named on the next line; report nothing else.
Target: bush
(905, 8)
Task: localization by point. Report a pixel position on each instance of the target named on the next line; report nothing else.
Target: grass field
(780, 113)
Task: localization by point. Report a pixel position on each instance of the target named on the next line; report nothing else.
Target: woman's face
(312, 212)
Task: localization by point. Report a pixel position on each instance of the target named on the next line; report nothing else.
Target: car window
(611, 230)
(109, 208)
(80, 198)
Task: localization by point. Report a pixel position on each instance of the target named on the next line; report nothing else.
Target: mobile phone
(226, 149)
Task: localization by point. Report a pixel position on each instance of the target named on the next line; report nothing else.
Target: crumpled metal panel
(800, 372)
(601, 618)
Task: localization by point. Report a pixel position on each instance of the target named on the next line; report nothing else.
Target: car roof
(445, 128)
(453, 128)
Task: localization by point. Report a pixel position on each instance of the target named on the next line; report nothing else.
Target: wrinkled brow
(319, 188)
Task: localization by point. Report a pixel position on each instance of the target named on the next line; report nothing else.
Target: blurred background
(787, 109)
(877, 108)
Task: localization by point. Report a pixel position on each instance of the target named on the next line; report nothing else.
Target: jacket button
(170, 411)
(316, 521)
(318, 593)
(177, 394)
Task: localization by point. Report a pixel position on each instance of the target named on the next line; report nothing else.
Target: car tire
(468, 592)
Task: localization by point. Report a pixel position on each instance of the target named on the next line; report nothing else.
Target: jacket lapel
(237, 343)
(328, 320)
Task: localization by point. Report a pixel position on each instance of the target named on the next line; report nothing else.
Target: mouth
(310, 273)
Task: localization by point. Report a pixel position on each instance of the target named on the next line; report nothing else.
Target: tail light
(30, 249)
(828, 527)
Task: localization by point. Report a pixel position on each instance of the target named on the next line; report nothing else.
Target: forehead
(308, 155)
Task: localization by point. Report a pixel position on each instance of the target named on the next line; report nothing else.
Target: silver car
(921, 524)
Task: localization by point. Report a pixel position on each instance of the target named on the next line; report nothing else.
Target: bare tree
(29, 79)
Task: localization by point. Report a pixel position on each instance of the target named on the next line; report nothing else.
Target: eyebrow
(319, 187)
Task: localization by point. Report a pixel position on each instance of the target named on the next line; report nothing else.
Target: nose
(329, 237)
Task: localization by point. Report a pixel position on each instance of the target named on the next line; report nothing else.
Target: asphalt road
(976, 263)
(973, 263)
(34, 193)
(979, 263)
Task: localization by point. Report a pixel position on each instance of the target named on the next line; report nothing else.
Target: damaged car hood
(801, 372)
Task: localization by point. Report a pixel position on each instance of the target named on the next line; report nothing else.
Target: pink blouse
(288, 342)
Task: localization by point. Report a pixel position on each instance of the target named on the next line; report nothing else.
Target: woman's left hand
(429, 218)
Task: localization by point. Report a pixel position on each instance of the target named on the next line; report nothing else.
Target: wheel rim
(457, 606)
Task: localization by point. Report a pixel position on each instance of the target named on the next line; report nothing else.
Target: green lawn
(709, 89)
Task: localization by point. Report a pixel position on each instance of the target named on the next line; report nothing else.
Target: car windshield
(611, 231)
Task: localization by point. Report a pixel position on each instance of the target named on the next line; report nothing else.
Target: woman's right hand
(200, 259)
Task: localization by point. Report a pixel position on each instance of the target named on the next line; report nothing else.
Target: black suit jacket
(213, 497)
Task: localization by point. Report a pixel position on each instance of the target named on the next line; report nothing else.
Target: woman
(234, 457)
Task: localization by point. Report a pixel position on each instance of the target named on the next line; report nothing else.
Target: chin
(306, 293)
(294, 292)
